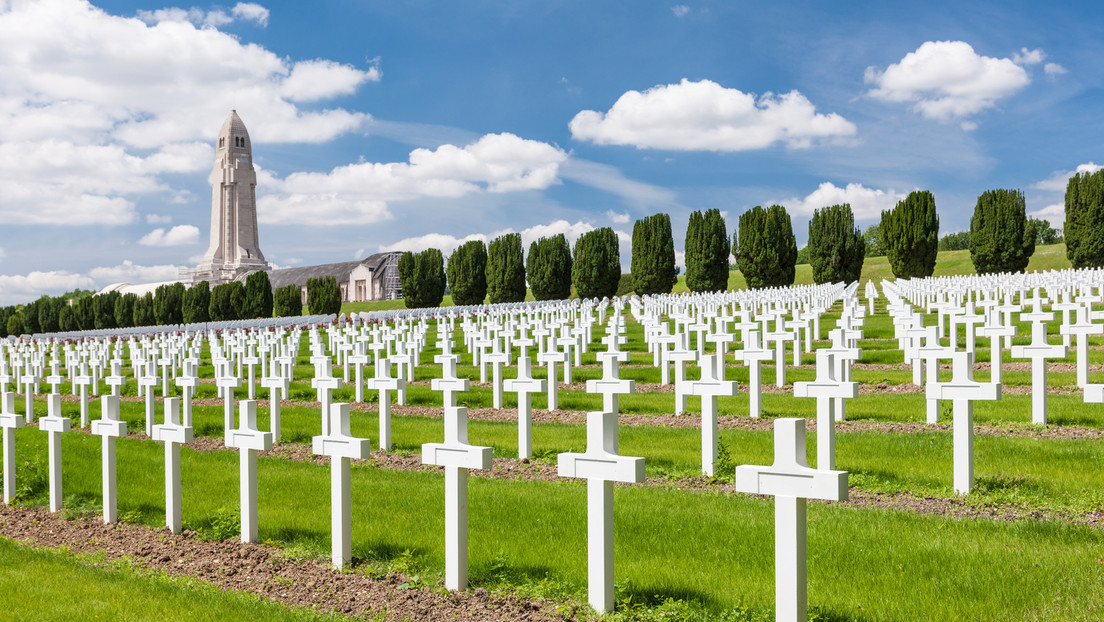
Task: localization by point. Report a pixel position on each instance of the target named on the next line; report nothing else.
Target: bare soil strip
(264, 570)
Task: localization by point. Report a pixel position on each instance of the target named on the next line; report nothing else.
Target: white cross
(791, 482)
(753, 355)
(10, 422)
(187, 382)
(1083, 327)
(55, 424)
(931, 353)
(550, 357)
(601, 466)
(277, 386)
(1038, 351)
(385, 383)
(248, 440)
(457, 456)
(147, 381)
(681, 355)
(342, 447)
(227, 381)
(497, 358)
(525, 386)
(711, 386)
(173, 434)
(610, 385)
(109, 427)
(83, 381)
(963, 390)
(359, 360)
(826, 389)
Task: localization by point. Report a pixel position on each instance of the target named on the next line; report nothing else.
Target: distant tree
(66, 321)
(103, 307)
(84, 311)
(5, 313)
(323, 295)
(258, 295)
(221, 309)
(425, 278)
(30, 318)
(910, 232)
(548, 268)
(408, 278)
(505, 269)
(1045, 233)
(802, 256)
(872, 237)
(596, 265)
(124, 310)
(143, 310)
(197, 303)
(467, 273)
(836, 246)
(48, 309)
(955, 241)
(14, 324)
(767, 247)
(168, 304)
(653, 255)
(707, 251)
(1084, 226)
(1000, 239)
(288, 301)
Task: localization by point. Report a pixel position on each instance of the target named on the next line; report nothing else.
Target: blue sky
(404, 125)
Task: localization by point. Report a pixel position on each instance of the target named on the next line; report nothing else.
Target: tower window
(222, 142)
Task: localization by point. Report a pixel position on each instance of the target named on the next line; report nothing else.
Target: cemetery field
(1025, 543)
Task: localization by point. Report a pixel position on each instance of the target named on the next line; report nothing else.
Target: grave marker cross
(342, 447)
(711, 386)
(10, 422)
(248, 440)
(173, 434)
(109, 427)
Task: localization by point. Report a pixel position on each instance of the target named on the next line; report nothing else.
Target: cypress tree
(143, 311)
(707, 250)
(288, 301)
(836, 245)
(221, 308)
(429, 279)
(548, 268)
(85, 313)
(596, 268)
(197, 302)
(910, 235)
(168, 304)
(767, 248)
(5, 313)
(467, 273)
(258, 295)
(323, 295)
(1000, 240)
(14, 325)
(47, 314)
(408, 279)
(653, 255)
(505, 269)
(1084, 226)
(30, 318)
(66, 322)
(124, 311)
(104, 308)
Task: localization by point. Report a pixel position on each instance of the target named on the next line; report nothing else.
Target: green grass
(898, 565)
(51, 585)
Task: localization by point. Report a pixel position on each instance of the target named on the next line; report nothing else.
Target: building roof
(341, 271)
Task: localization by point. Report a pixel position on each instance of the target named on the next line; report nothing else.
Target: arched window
(222, 142)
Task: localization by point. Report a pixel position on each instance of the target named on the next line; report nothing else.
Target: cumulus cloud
(20, 288)
(866, 203)
(1058, 180)
(113, 103)
(179, 235)
(680, 10)
(1028, 57)
(157, 219)
(616, 218)
(360, 193)
(705, 116)
(1055, 213)
(945, 80)
(1054, 69)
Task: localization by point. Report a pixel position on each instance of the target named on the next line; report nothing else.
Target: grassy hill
(1052, 257)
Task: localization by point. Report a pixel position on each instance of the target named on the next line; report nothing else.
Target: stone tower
(234, 249)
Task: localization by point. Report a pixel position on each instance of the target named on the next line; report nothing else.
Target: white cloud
(97, 107)
(680, 10)
(179, 235)
(968, 126)
(157, 219)
(947, 79)
(1055, 213)
(610, 179)
(21, 288)
(1054, 69)
(247, 11)
(705, 116)
(1058, 181)
(250, 11)
(448, 243)
(360, 193)
(866, 203)
(1028, 57)
(616, 218)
